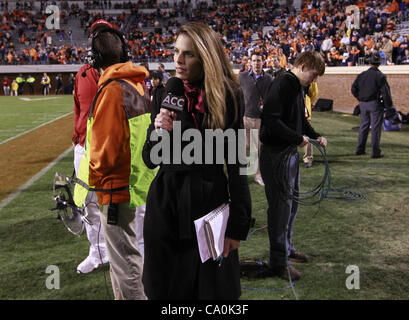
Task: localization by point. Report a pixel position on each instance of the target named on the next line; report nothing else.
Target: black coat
(178, 195)
(369, 84)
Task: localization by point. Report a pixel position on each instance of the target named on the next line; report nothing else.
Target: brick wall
(337, 86)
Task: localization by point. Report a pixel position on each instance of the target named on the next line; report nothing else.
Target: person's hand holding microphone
(172, 105)
(164, 119)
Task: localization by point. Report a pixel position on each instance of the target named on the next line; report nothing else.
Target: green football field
(367, 235)
(20, 114)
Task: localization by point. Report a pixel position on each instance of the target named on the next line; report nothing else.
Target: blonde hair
(312, 60)
(219, 78)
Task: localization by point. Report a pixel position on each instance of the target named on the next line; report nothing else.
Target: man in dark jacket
(30, 80)
(59, 84)
(284, 127)
(21, 81)
(276, 70)
(367, 88)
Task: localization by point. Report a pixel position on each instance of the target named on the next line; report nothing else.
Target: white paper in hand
(212, 244)
(201, 239)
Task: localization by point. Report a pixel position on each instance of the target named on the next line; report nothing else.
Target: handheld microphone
(175, 99)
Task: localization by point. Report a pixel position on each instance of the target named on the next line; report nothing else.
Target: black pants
(371, 115)
(45, 89)
(20, 89)
(281, 213)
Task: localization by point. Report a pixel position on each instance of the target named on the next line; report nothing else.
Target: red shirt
(84, 91)
(6, 82)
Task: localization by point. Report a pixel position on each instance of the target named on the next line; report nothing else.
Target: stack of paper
(210, 231)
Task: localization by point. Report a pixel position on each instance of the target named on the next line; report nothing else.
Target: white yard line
(39, 99)
(11, 197)
(41, 125)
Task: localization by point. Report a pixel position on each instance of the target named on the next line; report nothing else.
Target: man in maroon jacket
(6, 86)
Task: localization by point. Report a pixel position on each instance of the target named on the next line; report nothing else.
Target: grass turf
(367, 233)
(370, 234)
(17, 116)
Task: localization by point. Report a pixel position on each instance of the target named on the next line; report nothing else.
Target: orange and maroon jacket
(110, 154)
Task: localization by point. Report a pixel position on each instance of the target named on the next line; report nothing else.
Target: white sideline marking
(38, 99)
(13, 195)
(41, 125)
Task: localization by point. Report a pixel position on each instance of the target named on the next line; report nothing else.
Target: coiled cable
(317, 194)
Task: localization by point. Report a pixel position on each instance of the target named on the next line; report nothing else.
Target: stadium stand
(277, 28)
(279, 31)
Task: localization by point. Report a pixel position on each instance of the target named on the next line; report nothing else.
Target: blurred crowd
(324, 26)
(280, 33)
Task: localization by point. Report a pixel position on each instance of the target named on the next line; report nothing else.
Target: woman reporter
(182, 192)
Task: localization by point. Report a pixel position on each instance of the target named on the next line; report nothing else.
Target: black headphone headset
(95, 58)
